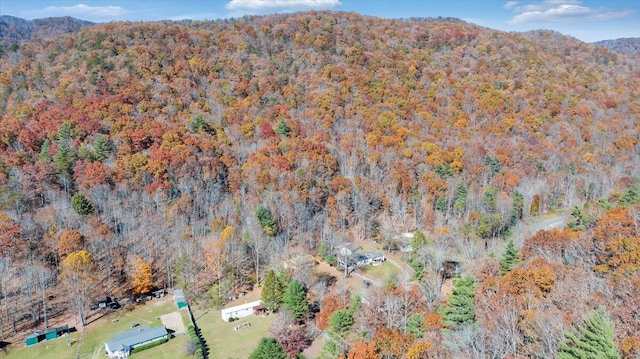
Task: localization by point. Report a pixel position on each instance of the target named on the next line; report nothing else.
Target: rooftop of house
(349, 249)
(136, 336)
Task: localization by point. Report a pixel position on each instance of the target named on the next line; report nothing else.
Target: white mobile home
(241, 311)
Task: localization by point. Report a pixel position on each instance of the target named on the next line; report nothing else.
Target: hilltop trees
(216, 149)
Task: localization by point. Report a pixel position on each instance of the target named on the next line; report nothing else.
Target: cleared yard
(384, 272)
(98, 332)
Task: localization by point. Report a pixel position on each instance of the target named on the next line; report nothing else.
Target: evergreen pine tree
(518, 207)
(510, 257)
(415, 325)
(263, 215)
(340, 323)
(81, 204)
(44, 152)
(459, 310)
(419, 240)
(461, 198)
(283, 129)
(629, 198)
(295, 299)
(593, 339)
(272, 292)
(268, 348)
(101, 148)
(581, 222)
(199, 125)
(65, 158)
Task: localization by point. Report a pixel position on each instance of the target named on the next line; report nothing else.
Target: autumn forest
(202, 155)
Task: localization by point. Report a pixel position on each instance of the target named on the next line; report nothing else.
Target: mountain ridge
(14, 29)
(626, 45)
(214, 151)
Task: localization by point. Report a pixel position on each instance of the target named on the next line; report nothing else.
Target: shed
(32, 339)
(53, 333)
(241, 311)
(47, 334)
(123, 343)
(178, 297)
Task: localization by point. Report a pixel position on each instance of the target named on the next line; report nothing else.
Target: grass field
(224, 342)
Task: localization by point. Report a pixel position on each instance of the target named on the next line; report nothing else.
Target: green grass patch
(173, 349)
(224, 342)
(384, 272)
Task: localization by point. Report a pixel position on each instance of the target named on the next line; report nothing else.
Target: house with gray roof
(123, 343)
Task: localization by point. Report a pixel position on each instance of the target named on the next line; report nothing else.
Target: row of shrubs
(148, 346)
(194, 335)
(232, 319)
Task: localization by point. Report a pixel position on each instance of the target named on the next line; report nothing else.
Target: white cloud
(511, 5)
(196, 16)
(261, 6)
(549, 11)
(82, 11)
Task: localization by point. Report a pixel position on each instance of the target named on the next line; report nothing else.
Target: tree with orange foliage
(141, 276)
(70, 241)
(393, 342)
(330, 304)
(364, 350)
(617, 240)
(549, 244)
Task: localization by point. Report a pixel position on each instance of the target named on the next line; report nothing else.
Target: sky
(586, 20)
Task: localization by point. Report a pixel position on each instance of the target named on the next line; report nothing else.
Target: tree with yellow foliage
(78, 276)
(419, 350)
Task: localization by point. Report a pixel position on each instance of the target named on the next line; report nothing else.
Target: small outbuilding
(178, 297)
(241, 311)
(32, 339)
(47, 334)
(125, 342)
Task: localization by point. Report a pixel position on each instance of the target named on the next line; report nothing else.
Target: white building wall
(239, 311)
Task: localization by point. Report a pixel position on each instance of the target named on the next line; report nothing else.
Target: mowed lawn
(384, 272)
(224, 342)
(102, 330)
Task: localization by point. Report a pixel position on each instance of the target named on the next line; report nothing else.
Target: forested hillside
(14, 29)
(209, 152)
(627, 46)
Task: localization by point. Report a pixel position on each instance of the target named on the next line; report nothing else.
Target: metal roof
(178, 295)
(133, 337)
